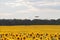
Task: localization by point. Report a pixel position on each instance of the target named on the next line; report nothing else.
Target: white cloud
(5, 14)
(29, 8)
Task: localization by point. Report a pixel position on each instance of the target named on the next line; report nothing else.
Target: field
(32, 29)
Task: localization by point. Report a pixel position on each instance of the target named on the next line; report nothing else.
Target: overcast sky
(28, 9)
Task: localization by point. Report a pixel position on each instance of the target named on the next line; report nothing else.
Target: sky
(28, 9)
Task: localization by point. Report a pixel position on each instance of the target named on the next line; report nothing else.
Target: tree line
(29, 22)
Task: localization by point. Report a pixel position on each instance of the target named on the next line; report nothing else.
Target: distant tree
(29, 22)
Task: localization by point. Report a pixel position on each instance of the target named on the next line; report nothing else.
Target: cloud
(5, 14)
(3, 1)
(30, 8)
(49, 5)
(7, 9)
(33, 0)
